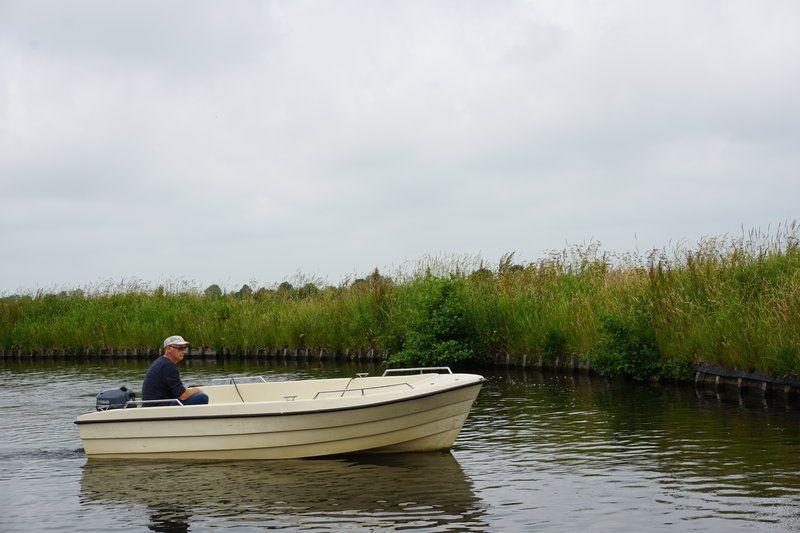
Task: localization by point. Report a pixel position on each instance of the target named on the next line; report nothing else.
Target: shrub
(629, 348)
(439, 330)
(555, 344)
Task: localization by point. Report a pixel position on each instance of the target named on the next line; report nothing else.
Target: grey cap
(175, 340)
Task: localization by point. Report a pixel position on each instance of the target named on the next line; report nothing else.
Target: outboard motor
(114, 398)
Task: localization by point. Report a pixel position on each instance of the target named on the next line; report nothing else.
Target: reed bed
(733, 302)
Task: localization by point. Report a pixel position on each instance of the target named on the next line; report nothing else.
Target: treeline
(729, 302)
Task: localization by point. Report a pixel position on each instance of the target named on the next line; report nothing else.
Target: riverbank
(730, 303)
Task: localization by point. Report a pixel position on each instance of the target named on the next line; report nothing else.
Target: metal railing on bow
(420, 369)
(362, 389)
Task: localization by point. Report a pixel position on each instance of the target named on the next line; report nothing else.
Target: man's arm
(173, 379)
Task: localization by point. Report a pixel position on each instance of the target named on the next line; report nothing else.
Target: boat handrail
(142, 402)
(419, 369)
(362, 389)
(232, 380)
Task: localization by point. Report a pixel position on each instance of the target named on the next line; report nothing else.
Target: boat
(403, 410)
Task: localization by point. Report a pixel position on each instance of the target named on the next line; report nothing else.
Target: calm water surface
(538, 452)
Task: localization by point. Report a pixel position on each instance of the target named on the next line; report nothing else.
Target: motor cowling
(114, 398)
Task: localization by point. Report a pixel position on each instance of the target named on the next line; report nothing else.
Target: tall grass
(732, 302)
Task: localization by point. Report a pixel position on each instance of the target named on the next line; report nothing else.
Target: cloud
(262, 138)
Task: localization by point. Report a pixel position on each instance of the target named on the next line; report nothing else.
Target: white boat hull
(427, 418)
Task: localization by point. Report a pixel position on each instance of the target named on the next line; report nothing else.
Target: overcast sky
(221, 142)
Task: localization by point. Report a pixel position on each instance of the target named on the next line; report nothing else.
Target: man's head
(175, 348)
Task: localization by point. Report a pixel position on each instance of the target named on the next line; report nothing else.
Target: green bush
(555, 345)
(440, 332)
(629, 348)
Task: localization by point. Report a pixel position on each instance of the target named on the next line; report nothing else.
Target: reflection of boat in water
(376, 491)
(290, 419)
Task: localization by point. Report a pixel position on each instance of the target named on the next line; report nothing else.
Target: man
(163, 381)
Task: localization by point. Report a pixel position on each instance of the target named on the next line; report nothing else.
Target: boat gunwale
(480, 381)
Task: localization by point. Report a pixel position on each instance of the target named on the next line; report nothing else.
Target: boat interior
(257, 389)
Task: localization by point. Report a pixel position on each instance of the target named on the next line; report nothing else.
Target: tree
(213, 291)
(309, 289)
(285, 287)
(245, 292)
(262, 294)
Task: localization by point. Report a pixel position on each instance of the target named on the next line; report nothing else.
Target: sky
(233, 142)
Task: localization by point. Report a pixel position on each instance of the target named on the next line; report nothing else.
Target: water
(538, 452)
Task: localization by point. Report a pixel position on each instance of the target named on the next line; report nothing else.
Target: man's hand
(188, 393)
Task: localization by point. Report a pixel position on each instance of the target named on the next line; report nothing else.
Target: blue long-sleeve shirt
(162, 382)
